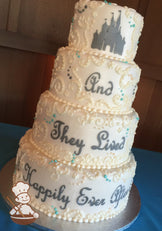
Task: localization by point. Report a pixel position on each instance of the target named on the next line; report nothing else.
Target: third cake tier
(75, 136)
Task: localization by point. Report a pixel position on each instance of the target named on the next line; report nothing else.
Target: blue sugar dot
(121, 99)
(55, 161)
(72, 161)
(54, 115)
(109, 3)
(55, 209)
(74, 155)
(52, 120)
(56, 213)
(105, 176)
(123, 94)
(52, 206)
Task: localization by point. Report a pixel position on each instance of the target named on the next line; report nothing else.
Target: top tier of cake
(107, 29)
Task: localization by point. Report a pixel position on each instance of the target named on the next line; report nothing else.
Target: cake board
(119, 223)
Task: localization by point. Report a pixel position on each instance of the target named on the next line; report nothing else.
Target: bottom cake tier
(69, 192)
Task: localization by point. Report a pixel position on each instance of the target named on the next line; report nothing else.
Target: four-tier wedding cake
(77, 157)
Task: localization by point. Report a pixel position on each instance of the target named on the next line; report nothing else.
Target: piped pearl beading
(94, 218)
(90, 109)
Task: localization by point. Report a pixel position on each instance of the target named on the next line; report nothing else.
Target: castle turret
(112, 21)
(118, 22)
(95, 42)
(105, 28)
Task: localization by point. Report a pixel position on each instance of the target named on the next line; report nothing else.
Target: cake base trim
(76, 214)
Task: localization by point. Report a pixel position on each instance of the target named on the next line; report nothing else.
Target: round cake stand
(119, 223)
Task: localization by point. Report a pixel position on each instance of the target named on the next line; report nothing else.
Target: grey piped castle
(110, 35)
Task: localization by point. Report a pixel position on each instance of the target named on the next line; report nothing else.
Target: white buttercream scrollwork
(58, 85)
(59, 64)
(39, 130)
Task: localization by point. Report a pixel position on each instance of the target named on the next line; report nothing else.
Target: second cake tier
(94, 82)
(75, 136)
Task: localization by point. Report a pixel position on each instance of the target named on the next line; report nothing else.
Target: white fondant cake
(77, 157)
